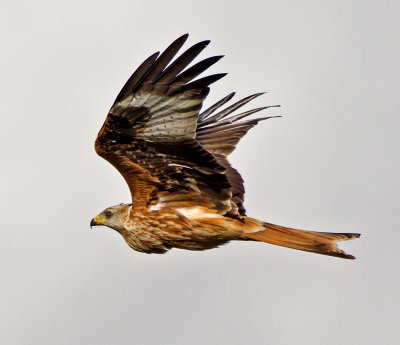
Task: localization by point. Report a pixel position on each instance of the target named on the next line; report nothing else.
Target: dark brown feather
(166, 57)
(181, 62)
(215, 106)
(195, 70)
(136, 77)
(230, 109)
(204, 82)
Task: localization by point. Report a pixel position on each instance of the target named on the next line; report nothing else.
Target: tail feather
(311, 241)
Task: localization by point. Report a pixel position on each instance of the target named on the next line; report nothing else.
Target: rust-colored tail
(310, 241)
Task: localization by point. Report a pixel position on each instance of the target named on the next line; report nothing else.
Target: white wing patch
(197, 212)
(194, 212)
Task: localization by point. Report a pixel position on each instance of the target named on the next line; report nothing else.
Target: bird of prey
(185, 194)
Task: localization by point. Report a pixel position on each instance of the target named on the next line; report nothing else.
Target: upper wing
(150, 133)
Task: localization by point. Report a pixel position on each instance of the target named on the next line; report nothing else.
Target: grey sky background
(331, 163)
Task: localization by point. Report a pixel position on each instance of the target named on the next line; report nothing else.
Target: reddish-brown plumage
(185, 194)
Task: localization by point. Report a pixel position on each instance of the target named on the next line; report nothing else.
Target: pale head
(114, 217)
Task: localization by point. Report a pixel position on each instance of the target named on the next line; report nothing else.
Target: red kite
(173, 157)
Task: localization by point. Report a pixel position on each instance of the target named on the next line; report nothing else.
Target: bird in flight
(185, 194)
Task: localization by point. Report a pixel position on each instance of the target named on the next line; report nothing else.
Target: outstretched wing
(220, 133)
(150, 133)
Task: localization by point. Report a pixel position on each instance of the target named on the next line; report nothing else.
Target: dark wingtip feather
(137, 76)
(267, 117)
(195, 70)
(204, 82)
(238, 117)
(206, 113)
(181, 62)
(260, 93)
(166, 57)
(180, 40)
(229, 110)
(204, 43)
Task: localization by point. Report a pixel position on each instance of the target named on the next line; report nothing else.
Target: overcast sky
(331, 163)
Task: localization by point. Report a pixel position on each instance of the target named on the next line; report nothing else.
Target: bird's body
(193, 228)
(185, 194)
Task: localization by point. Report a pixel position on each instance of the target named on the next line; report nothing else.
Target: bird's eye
(108, 214)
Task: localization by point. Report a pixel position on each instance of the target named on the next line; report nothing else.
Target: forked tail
(311, 241)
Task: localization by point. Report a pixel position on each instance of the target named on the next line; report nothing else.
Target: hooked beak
(93, 222)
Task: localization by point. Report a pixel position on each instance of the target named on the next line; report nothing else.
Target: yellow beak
(95, 221)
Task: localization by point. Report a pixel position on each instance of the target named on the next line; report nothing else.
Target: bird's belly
(191, 228)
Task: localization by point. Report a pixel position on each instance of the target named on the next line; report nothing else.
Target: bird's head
(114, 217)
